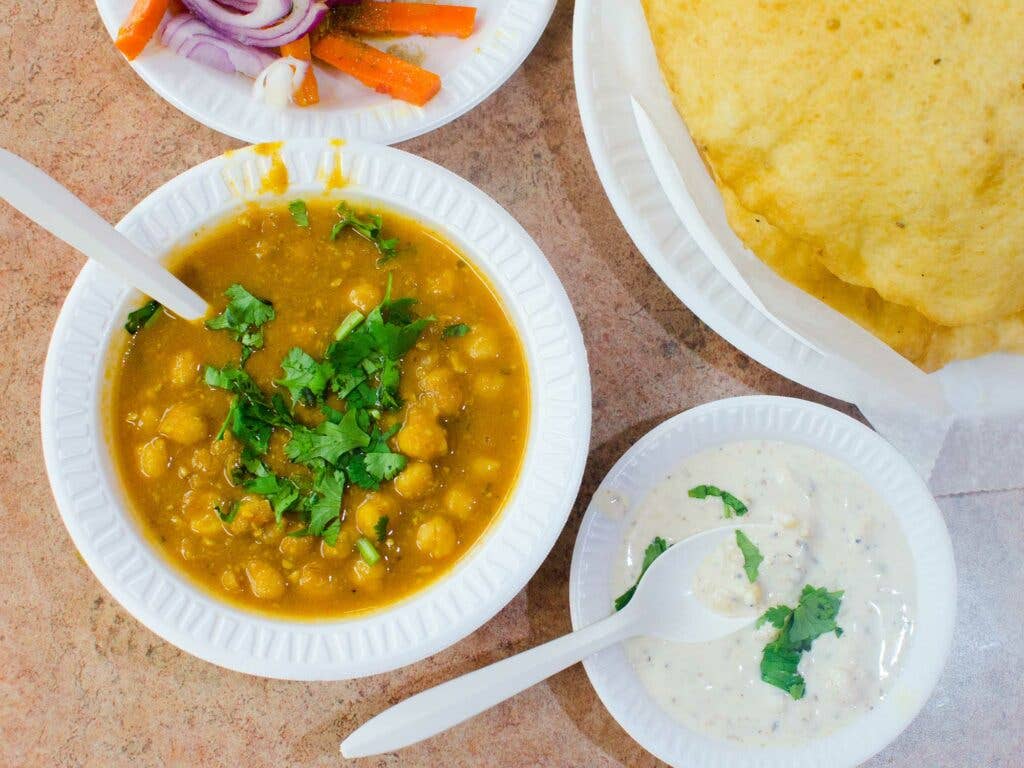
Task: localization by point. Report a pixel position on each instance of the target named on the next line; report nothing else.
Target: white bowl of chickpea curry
(330, 453)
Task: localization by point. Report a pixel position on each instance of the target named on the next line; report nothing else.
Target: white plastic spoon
(664, 605)
(58, 211)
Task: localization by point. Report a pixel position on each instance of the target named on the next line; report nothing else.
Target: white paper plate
(470, 69)
(599, 545)
(646, 213)
(93, 506)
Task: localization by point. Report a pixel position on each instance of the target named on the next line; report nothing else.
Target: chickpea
(153, 458)
(265, 580)
(364, 296)
(441, 386)
(314, 579)
(442, 283)
(184, 367)
(485, 467)
(253, 513)
(460, 501)
(183, 424)
(229, 580)
(197, 503)
(483, 344)
(436, 538)
(488, 385)
(421, 437)
(415, 481)
(295, 546)
(366, 576)
(207, 524)
(376, 506)
(202, 460)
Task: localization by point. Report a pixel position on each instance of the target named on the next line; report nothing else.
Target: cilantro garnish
(304, 378)
(455, 331)
(814, 616)
(381, 528)
(243, 318)
(731, 503)
(371, 228)
(752, 556)
(229, 516)
(328, 441)
(361, 369)
(367, 551)
(299, 212)
(139, 319)
(655, 549)
(281, 492)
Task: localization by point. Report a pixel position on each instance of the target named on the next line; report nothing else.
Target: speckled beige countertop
(83, 684)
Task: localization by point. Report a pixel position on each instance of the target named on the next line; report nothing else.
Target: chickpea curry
(343, 427)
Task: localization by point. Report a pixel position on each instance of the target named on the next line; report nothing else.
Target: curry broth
(464, 415)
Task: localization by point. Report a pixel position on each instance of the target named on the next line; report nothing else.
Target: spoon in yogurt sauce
(664, 605)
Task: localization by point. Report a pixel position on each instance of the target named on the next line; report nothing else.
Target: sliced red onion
(272, 23)
(190, 37)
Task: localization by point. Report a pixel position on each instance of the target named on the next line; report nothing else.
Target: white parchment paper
(961, 427)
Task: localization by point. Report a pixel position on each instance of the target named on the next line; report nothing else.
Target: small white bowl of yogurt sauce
(829, 506)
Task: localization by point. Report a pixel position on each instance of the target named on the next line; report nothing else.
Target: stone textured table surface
(83, 684)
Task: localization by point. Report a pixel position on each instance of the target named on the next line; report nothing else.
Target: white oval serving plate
(87, 488)
(599, 544)
(470, 70)
(632, 186)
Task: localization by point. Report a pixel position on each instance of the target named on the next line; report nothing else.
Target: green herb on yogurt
(655, 549)
(814, 616)
(752, 556)
(733, 506)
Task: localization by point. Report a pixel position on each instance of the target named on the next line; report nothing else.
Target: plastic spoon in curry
(664, 605)
(57, 210)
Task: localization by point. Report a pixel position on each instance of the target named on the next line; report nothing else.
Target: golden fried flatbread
(887, 135)
(928, 345)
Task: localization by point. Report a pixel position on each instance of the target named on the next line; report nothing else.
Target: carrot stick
(139, 27)
(396, 18)
(378, 70)
(307, 93)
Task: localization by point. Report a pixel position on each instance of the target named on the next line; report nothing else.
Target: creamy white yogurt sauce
(829, 529)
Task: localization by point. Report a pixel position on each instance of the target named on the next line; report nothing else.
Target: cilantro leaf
(779, 665)
(815, 614)
(655, 549)
(141, 317)
(243, 317)
(324, 504)
(732, 504)
(813, 617)
(229, 516)
(304, 378)
(281, 492)
(384, 466)
(370, 227)
(775, 616)
(752, 556)
(455, 331)
(328, 442)
(381, 528)
(299, 212)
